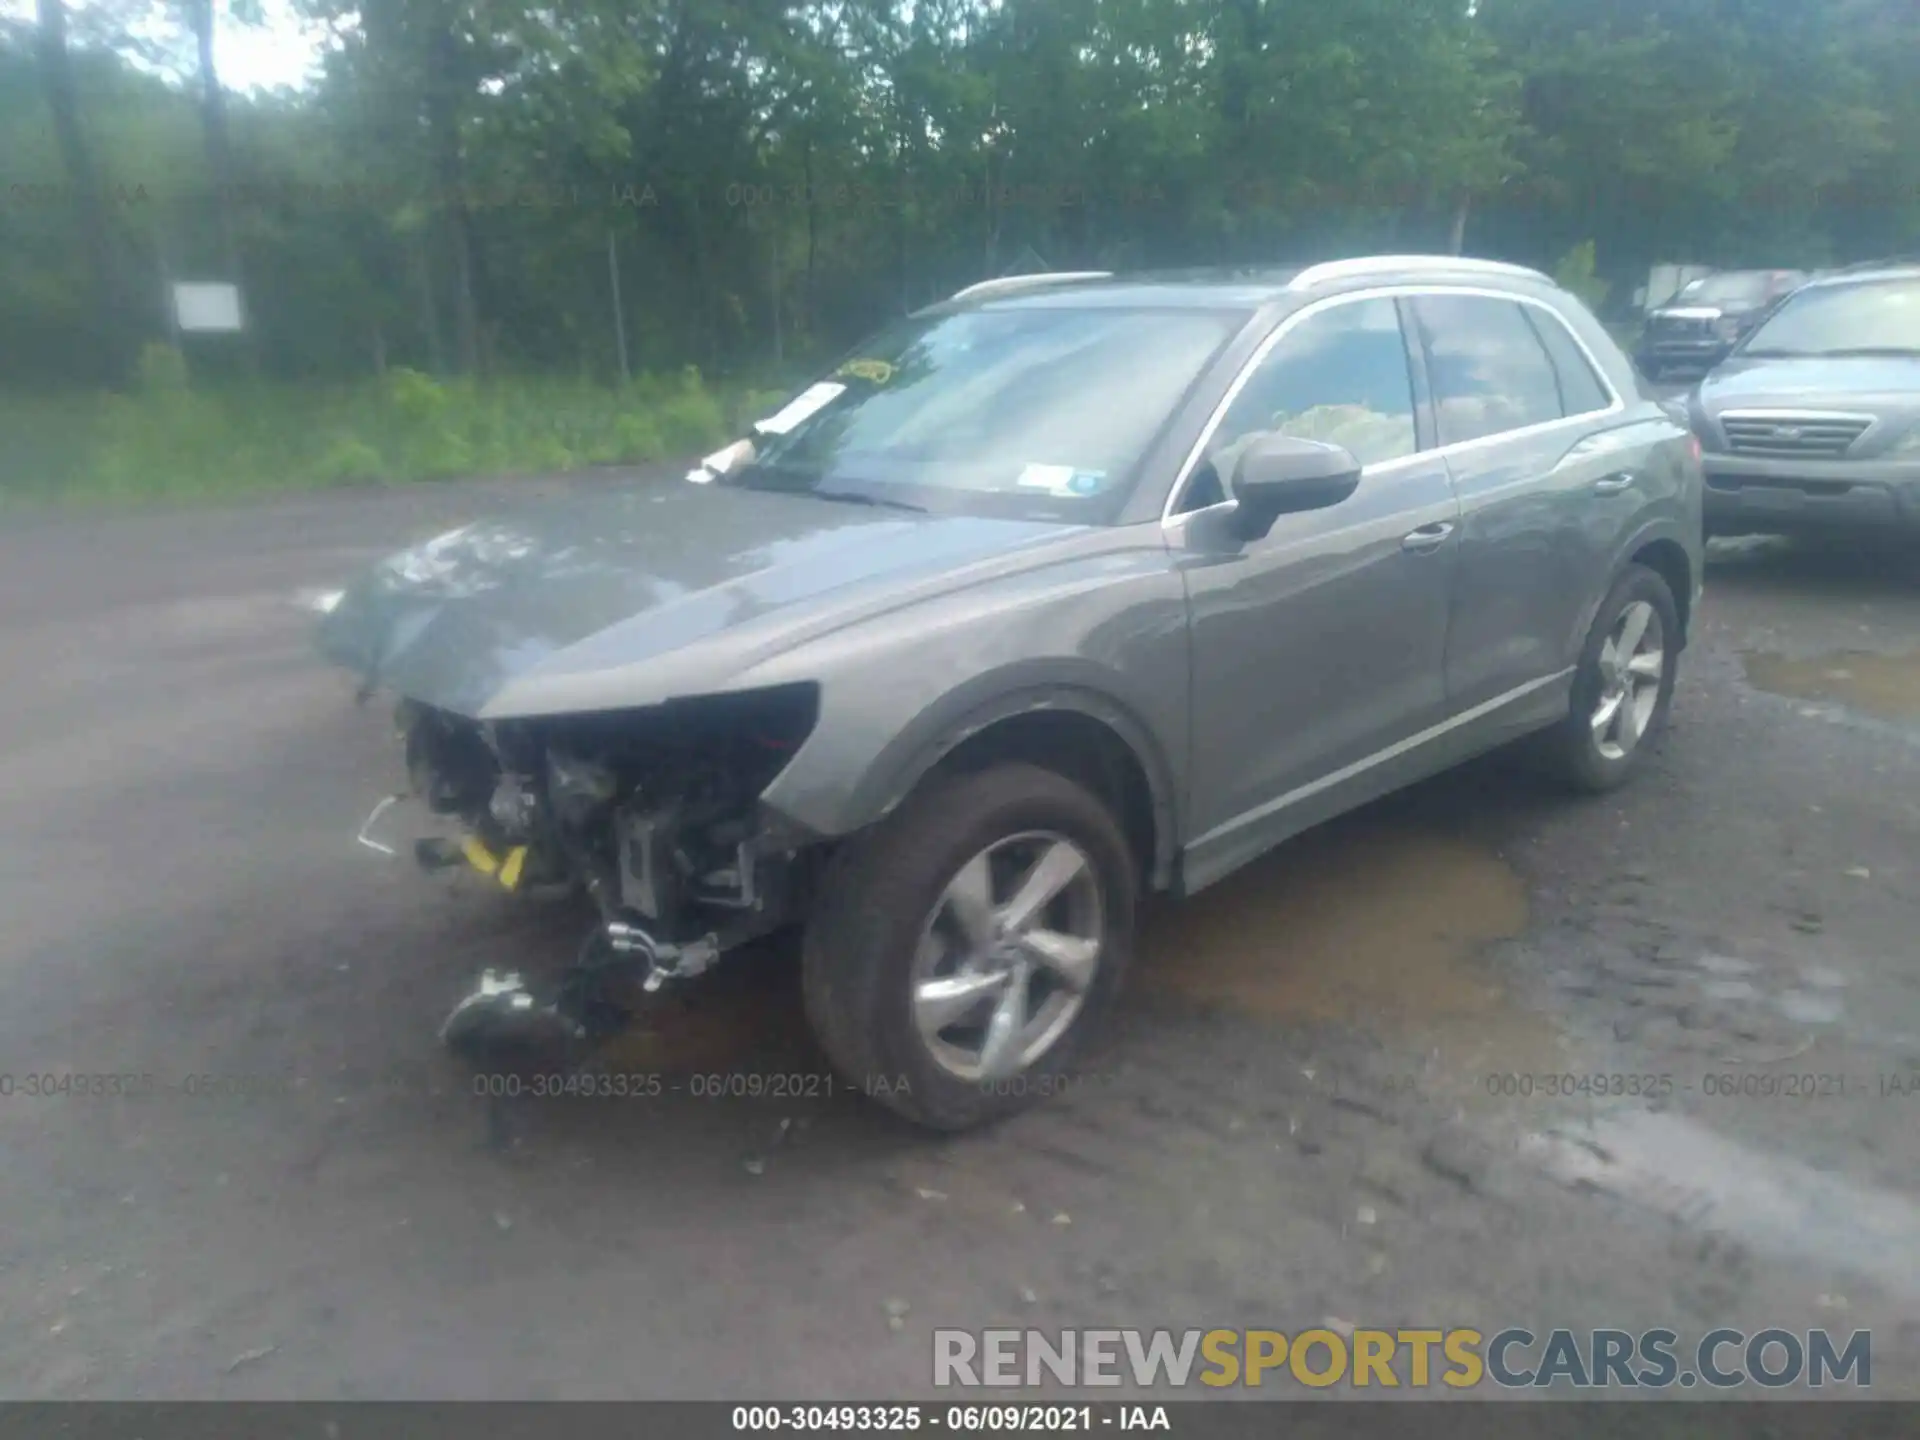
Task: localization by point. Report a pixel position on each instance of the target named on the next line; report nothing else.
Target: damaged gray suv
(1070, 587)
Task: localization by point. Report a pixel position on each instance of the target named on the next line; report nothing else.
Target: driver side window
(1340, 375)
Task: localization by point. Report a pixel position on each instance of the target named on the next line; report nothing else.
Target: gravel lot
(1291, 1119)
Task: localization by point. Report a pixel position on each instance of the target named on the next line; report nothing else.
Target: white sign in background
(207, 306)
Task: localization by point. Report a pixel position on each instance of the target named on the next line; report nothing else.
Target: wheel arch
(1658, 544)
(1668, 559)
(1071, 727)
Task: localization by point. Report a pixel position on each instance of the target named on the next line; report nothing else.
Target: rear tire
(1619, 704)
(890, 944)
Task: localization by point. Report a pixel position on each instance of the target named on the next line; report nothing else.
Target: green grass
(166, 440)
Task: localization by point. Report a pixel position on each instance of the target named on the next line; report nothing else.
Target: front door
(1318, 648)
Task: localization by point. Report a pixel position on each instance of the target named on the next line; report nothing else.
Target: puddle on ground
(1883, 685)
(1698, 1177)
(1373, 925)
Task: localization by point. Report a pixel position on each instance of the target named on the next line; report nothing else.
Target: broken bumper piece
(440, 849)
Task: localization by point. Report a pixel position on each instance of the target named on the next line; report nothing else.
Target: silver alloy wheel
(1632, 663)
(1008, 955)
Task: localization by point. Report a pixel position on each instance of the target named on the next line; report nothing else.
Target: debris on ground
(249, 1357)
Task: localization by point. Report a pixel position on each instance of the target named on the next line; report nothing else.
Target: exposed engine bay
(653, 814)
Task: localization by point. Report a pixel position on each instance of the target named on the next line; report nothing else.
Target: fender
(1653, 527)
(1000, 695)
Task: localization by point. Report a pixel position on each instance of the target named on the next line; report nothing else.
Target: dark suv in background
(1699, 327)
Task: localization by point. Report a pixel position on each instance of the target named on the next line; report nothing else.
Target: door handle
(1427, 537)
(1613, 484)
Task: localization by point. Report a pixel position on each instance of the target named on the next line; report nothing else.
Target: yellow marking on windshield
(877, 371)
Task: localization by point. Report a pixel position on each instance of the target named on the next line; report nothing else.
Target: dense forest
(469, 183)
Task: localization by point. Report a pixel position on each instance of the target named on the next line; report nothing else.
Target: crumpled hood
(545, 609)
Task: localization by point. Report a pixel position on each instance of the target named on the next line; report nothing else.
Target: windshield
(1872, 317)
(1722, 289)
(1032, 412)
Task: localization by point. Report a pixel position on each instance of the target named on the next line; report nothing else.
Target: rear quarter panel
(1665, 502)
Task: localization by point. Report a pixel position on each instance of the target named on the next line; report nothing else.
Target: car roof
(1240, 288)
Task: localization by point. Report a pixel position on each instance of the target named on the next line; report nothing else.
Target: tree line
(581, 186)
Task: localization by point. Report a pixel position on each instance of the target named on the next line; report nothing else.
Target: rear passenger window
(1581, 391)
(1488, 369)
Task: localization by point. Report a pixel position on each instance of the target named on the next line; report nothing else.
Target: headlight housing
(1908, 444)
(1727, 328)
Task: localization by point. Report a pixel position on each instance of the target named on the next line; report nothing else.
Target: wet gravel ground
(1328, 1096)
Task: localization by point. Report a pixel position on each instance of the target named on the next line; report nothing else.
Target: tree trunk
(449, 167)
(1457, 244)
(429, 307)
(813, 212)
(213, 124)
(773, 285)
(90, 212)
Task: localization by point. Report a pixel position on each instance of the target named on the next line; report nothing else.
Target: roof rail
(1428, 264)
(1021, 282)
(1890, 262)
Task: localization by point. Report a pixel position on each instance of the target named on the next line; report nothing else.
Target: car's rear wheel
(961, 949)
(1623, 686)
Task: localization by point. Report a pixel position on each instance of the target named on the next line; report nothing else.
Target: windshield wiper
(1763, 353)
(850, 497)
(1871, 352)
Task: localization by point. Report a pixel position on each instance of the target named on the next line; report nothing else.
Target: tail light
(1693, 448)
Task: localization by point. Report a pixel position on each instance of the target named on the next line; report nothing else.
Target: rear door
(1545, 480)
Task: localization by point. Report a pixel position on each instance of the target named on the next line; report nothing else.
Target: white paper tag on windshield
(804, 405)
(1063, 480)
(1052, 478)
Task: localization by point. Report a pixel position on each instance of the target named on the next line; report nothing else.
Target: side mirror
(1280, 475)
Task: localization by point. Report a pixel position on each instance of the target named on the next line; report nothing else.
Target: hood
(1887, 386)
(579, 604)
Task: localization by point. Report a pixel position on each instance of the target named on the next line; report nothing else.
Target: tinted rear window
(1488, 369)
(1581, 389)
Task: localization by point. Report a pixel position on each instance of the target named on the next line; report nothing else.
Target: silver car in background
(1068, 588)
(1814, 422)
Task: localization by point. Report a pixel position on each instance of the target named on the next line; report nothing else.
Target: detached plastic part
(501, 1012)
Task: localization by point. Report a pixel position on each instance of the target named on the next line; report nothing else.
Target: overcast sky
(282, 51)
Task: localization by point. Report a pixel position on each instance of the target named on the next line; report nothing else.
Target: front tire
(962, 948)
(1623, 686)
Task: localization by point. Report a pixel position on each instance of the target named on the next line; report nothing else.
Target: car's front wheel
(1624, 683)
(961, 949)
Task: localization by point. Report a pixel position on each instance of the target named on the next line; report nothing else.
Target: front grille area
(1792, 434)
(1668, 327)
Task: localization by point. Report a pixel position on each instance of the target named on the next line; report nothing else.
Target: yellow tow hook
(504, 868)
